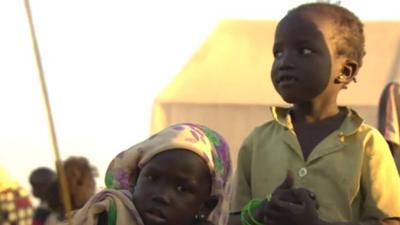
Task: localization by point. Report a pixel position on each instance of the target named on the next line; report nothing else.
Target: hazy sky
(104, 62)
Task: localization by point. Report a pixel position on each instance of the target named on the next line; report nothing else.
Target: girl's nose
(162, 199)
(161, 196)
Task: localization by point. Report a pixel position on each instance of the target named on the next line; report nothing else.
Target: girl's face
(172, 188)
(305, 65)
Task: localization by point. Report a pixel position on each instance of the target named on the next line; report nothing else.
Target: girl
(179, 176)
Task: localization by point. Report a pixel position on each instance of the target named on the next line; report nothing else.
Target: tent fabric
(226, 84)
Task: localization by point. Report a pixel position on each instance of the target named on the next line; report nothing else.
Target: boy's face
(304, 58)
(171, 188)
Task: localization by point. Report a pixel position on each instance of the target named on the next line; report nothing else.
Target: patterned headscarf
(208, 144)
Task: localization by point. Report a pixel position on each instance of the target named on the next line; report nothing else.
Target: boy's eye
(305, 51)
(278, 54)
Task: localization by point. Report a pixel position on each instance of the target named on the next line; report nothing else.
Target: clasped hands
(289, 206)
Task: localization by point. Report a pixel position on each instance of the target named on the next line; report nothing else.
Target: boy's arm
(241, 182)
(286, 213)
(371, 222)
(380, 182)
(379, 185)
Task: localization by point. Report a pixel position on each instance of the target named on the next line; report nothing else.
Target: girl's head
(177, 176)
(173, 187)
(318, 50)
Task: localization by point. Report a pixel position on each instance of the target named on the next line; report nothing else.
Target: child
(81, 180)
(179, 176)
(335, 156)
(40, 180)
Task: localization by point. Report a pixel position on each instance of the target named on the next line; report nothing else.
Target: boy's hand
(283, 191)
(260, 212)
(301, 212)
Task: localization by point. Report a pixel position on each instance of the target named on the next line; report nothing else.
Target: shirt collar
(349, 126)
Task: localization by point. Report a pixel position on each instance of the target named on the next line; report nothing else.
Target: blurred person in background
(40, 179)
(15, 204)
(80, 177)
(81, 180)
(389, 118)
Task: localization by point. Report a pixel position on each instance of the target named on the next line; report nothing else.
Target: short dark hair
(40, 179)
(350, 30)
(42, 176)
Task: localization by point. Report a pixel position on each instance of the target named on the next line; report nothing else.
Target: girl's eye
(305, 51)
(180, 188)
(149, 177)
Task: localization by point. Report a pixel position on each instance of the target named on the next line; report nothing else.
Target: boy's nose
(285, 61)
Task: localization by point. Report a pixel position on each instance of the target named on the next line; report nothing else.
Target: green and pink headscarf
(124, 168)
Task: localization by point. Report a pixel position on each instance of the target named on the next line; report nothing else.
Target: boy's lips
(286, 79)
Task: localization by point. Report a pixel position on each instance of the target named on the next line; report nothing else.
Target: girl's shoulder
(103, 218)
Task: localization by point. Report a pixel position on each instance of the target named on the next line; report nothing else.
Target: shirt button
(302, 172)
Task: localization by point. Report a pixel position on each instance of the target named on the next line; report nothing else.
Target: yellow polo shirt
(351, 171)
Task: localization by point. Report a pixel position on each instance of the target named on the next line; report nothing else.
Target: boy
(336, 157)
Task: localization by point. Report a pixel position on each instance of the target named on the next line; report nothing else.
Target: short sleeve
(242, 177)
(380, 182)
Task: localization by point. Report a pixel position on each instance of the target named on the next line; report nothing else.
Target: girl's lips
(155, 216)
(154, 219)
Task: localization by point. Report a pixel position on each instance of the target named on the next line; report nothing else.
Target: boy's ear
(349, 70)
